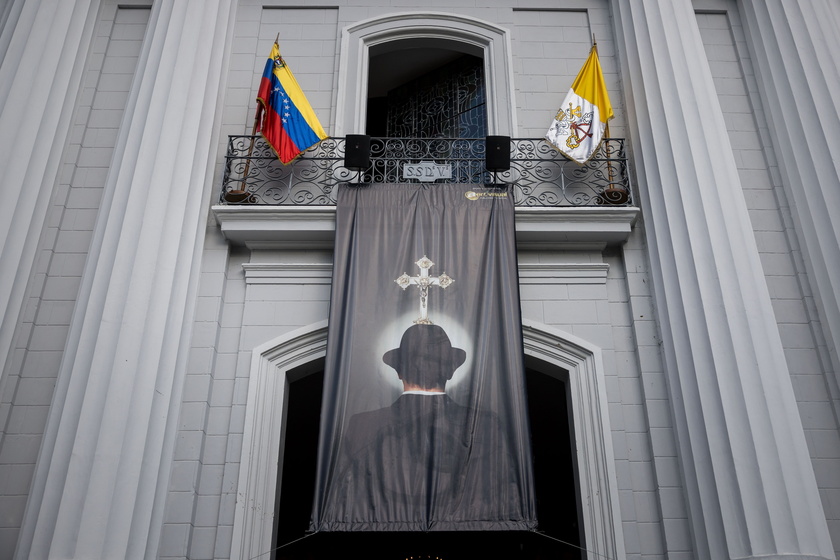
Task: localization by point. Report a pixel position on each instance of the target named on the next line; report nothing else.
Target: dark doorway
(296, 479)
(559, 535)
(555, 466)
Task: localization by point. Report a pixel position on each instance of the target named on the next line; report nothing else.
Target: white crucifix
(423, 281)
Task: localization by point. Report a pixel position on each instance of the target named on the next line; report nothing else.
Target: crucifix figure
(423, 281)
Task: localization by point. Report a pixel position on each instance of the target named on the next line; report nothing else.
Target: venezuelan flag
(284, 116)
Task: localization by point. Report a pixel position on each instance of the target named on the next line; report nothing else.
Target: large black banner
(424, 426)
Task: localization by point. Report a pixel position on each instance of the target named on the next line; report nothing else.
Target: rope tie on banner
(281, 546)
(574, 545)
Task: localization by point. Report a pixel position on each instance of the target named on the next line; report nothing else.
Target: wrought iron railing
(539, 174)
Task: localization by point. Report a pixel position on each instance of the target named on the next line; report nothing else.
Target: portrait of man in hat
(424, 457)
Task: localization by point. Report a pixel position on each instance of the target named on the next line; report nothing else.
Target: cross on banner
(423, 281)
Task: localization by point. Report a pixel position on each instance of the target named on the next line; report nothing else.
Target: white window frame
(470, 35)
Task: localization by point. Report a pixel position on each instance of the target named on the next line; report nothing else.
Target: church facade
(160, 345)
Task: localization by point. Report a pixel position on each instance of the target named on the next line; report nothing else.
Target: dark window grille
(450, 102)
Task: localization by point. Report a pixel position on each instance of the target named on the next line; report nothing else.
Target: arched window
(426, 89)
(442, 37)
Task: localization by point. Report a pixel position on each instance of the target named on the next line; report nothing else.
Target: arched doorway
(555, 464)
(281, 362)
(296, 478)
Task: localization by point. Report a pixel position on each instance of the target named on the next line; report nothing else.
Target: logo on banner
(477, 195)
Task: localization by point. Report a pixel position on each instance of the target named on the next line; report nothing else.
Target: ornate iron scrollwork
(538, 175)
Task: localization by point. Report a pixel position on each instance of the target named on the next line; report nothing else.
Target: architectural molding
(37, 100)
(563, 273)
(529, 273)
(102, 475)
(462, 33)
(750, 484)
(262, 448)
(278, 227)
(593, 437)
(795, 47)
(573, 228)
(313, 227)
(287, 273)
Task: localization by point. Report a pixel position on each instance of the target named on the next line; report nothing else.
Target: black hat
(427, 344)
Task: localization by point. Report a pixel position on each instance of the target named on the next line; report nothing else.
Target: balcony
(558, 203)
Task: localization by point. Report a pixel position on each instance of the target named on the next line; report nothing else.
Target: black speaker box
(497, 156)
(357, 152)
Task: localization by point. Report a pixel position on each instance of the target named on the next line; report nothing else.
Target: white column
(43, 48)
(101, 478)
(749, 480)
(796, 48)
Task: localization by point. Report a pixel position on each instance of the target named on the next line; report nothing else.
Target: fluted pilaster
(101, 478)
(795, 45)
(750, 484)
(43, 47)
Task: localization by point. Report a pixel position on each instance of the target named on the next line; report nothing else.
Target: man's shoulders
(371, 416)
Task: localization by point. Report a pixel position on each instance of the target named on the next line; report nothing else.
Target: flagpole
(239, 195)
(250, 151)
(609, 160)
(610, 172)
(253, 138)
(606, 140)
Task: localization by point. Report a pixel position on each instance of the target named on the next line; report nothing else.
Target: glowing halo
(391, 334)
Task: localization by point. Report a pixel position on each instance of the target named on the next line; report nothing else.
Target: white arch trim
(593, 437)
(263, 434)
(492, 41)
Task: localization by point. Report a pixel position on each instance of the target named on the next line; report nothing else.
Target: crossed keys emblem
(580, 123)
(423, 281)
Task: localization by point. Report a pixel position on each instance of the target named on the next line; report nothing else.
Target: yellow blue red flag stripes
(284, 116)
(579, 126)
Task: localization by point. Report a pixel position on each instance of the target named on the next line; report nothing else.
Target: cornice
(302, 227)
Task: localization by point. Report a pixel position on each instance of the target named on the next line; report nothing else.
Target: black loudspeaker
(497, 156)
(357, 152)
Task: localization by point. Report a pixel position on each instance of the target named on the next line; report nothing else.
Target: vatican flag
(578, 127)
